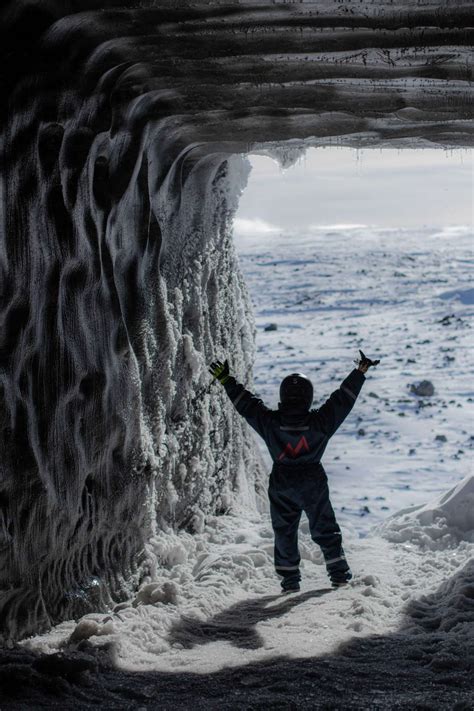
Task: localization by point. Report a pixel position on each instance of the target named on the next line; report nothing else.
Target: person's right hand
(365, 363)
(220, 371)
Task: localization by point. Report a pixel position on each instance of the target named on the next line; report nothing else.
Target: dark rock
(425, 388)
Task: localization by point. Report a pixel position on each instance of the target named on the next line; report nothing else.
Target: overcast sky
(382, 187)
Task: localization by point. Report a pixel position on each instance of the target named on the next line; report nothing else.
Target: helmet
(296, 390)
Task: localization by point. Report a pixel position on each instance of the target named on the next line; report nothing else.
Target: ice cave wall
(123, 140)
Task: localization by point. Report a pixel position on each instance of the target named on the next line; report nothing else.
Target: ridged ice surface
(123, 138)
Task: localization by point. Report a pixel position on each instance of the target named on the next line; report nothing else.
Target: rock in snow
(424, 389)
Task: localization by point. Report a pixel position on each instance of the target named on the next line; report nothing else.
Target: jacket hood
(284, 407)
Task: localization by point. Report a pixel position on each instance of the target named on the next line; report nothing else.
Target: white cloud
(257, 226)
(341, 226)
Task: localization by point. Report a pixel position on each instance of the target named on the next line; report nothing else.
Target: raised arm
(246, 404)
(335, 410)
(332, 414)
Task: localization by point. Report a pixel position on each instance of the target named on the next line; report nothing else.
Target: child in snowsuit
(296, 437)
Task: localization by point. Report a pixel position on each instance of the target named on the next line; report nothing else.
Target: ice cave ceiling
(118, 278)
(248, 71)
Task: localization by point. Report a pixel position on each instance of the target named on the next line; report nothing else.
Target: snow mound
(442, 626)
(442, 523)
(153, 593)
(88, 627)
(449, 609)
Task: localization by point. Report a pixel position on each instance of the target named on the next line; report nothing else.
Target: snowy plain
(401, 635)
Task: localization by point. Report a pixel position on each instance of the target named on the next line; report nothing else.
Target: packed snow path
(211, 630)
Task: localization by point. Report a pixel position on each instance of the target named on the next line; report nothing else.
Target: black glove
(220, 371)
(365, 363)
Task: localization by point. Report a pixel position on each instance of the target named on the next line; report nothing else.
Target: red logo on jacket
(290, 451)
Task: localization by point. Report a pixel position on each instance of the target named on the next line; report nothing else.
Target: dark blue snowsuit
(296, 440)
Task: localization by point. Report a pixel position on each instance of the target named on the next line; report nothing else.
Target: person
(296, 437)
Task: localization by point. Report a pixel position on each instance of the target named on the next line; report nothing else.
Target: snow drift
(122, 138)
(442, 523)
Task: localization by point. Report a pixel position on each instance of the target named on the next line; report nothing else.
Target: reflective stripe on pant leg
(338, 565)
(335, 560)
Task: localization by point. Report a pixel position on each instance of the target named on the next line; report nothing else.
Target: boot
(340, 579)
(290, 583)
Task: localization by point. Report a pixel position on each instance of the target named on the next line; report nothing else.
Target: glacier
(124, 140)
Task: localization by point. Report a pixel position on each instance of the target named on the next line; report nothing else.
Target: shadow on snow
(428, 663)
(237, 624)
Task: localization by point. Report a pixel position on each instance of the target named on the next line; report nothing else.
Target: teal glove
(220, 371)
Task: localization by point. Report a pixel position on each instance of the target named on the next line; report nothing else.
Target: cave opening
(344, 248)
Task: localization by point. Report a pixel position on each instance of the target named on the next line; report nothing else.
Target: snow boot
(287, 589)
(341, 579)
(290, 584)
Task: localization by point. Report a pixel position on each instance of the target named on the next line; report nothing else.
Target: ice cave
(125, 128)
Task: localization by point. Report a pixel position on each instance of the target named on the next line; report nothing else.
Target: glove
(220, 371)
(365, 363)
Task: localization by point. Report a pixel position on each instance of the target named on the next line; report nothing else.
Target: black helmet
(296, 390)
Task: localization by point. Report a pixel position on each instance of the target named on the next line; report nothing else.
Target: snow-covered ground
(208, 629)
